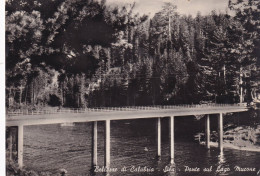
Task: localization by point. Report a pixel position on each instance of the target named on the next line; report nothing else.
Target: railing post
(207, 131)
(94, 145)
(220, 132)
(107, 150)
(172, 138)
(20, 146)
(159, 137)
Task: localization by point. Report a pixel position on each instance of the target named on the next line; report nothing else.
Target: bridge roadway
(108, 114)
(117, 114)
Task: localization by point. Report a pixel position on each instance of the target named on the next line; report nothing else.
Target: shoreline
(243, 138)
(231, 146)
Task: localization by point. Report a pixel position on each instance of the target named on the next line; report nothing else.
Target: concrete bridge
(21, 119)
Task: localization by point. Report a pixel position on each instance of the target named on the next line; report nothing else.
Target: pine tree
(248, 16)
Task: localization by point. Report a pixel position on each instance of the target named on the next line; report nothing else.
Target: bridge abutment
(10, 143)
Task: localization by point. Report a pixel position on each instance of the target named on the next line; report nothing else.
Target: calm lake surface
(133, 143)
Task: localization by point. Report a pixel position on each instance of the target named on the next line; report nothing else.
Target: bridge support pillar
(20, 146)
(94, 145)
(220, 132)
(172, 138)
(207, 131)
(10, 143)
(159, 137)
(107, 150)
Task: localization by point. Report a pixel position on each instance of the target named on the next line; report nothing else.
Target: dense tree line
(84, 53)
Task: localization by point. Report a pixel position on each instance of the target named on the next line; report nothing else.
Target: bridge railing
(125, 108)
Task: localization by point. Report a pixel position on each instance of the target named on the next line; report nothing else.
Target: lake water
(133, 144)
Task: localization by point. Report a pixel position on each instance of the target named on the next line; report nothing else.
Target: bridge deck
(117, 114)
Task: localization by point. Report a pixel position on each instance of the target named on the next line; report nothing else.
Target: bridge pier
(159, 137)
(10, 143)
(172, 138)
(107, 149)
(94, 145)
(220, 132)
(207, 131)
(20, 146)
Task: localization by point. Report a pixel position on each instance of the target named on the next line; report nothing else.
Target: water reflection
(158, 163)
(170, 170)
(222, 168)
(221, 158)
(208, 153)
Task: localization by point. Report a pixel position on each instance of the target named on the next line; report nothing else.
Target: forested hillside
(84, 53)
